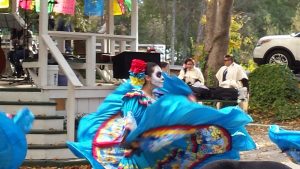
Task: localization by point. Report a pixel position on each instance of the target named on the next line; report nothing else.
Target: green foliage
(210, 79)
(250, 66)
(274, 90)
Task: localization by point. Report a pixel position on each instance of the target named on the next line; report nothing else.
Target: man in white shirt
(232, 75)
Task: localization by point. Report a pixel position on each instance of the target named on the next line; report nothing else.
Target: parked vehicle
(282, 49)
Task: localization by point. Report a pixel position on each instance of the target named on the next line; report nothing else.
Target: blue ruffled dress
(171, 132)
(13, 145)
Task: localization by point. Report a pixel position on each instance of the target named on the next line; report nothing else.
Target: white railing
(92, 41)
(89, 65)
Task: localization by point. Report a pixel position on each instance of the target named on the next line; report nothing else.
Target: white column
(111, 27)
(91, 61)
(70, 108)
(14, 6)
(61, 44)
(134, 25)
(43, 51)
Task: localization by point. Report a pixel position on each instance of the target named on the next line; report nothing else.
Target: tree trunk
(198, 50)
(200, 33)
(173, 32)
(217, 33)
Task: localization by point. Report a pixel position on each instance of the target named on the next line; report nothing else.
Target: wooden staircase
(47, 138)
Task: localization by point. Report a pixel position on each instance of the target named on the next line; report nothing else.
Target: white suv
(283, 49)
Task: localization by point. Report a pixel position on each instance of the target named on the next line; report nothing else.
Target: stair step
(47, 146)
(48, 123)
(24, 96)
(33, 103)
(48, 132)
(48, 109)
(47, 137)
(49, 151)
(55, 163)
(41, 117)
(16, 89)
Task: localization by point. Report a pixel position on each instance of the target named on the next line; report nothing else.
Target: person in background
(193, 76)
(233, 76)
(165, 67)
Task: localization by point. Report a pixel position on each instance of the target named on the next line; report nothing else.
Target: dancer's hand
(192, 98)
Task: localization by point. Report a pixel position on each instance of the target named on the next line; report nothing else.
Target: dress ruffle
(287, 140)
(13, 145)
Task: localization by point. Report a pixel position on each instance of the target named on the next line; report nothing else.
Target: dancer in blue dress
(134, 128)
(13, 145)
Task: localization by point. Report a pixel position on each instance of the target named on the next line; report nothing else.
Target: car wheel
(279, 57)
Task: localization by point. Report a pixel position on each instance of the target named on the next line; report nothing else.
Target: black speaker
(122, 62)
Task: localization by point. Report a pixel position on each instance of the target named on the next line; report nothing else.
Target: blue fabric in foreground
(13, 145)
(287, 140)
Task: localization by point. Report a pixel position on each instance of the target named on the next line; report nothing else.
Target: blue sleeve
(134, 105)
(174, 85)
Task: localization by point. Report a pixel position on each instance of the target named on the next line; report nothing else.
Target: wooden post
(70, 108)
(43, 51)
(134, 25)
(111, 27)
(122, 46)
(91, 61)
(61, 45)
(14, 6)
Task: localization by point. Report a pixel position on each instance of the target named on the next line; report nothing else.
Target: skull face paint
(156, 78)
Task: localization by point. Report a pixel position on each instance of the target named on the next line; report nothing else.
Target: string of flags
(91, 7)
(4, 3)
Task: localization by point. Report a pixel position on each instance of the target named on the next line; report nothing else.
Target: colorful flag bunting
(93, 7)
(26, 4)
(4, 3)
(128, 5)
(65, 6)
(50, 5)
(118, 7)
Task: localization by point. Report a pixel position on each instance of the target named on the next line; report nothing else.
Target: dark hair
(149, 68)
(229, 57)
(163, 64)
(189, 60)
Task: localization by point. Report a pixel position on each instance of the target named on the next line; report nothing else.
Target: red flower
(138, 66)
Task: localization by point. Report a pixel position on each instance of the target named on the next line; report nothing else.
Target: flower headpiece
(137, 72)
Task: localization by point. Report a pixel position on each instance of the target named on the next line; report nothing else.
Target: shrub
(274, 91)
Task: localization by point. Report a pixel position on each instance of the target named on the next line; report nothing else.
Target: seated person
(232, 75)
(193, 76)
(190, 74)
